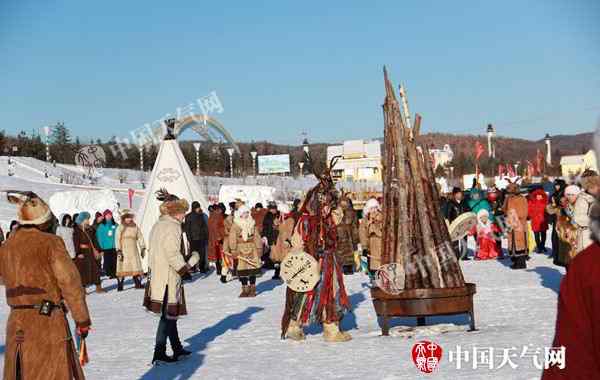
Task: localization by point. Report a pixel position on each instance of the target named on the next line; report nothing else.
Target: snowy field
(235, 338)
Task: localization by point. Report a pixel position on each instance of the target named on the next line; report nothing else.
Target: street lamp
(451, 171)
(197, 148)
(301, 165)
(230, 152)
(253, 154)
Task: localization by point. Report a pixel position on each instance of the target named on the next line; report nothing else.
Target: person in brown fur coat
(42, 283)
(245, 244)
(216, 234)
(347, 235)
(516, 210)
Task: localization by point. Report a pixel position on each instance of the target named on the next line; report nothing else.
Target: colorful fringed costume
(315, 234)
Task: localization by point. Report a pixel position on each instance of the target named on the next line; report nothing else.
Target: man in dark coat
(269, 233)
(455, 207)
(196, 230)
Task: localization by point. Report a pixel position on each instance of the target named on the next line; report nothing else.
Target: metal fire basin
(421, 303)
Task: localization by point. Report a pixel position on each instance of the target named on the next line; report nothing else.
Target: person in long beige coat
(37, 270)
(516, 210)
(130, 246)
(370, 233)
(582, 210)
(245, 244)
(164, 290)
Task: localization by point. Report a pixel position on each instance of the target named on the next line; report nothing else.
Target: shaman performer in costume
(315, 233)
(42, 284)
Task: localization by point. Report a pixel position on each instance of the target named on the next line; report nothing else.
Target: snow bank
(249, 194)
(71, 202)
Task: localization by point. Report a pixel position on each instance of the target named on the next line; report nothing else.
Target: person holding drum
(457, 206)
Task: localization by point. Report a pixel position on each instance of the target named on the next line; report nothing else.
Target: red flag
(501, 170)
(130, 194)
(479, 149)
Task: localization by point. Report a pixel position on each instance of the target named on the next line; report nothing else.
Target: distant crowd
(522, 217)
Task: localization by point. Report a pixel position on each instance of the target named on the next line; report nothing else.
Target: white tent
(171, 172)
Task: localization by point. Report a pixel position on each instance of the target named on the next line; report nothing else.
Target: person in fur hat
(131, 249)
(41, 284)
(164, 290)
(86, 252)
(486, 233)
(245, 244)
(590, 182)
(347, 235)
(370, 233)
(515, 209)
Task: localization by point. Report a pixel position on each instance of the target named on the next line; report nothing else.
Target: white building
(360, 160)
(441, 156)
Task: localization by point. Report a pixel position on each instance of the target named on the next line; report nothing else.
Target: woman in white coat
(129, 243)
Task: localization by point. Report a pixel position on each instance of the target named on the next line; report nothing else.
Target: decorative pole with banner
(197, 148)
(253, 155)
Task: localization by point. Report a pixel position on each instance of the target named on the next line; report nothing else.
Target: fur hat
(32, 210)
(127, 213)
(370, 206)
(483, 212)
(171, 204)
(590, 181)
(573, 190)
(513, 188)
(242, 209)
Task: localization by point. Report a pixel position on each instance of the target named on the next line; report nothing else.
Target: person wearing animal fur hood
(582, 208)
(370, 233)
(164, 289)
(42, 284)
(579, 304)
(245, 244)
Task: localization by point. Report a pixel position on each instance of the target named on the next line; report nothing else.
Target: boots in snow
(99, 289)
(180, 353)
(332, 333)
(251, 291)
(120, 283)
(294, 331)
(245, 290)
(138, 282)
(161, 357)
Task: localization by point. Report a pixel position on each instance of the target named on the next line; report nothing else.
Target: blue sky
(283, 67)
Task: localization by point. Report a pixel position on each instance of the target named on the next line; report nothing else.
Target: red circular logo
(426, 355)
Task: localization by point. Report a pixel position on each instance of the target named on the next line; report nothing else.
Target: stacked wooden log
(416, 236)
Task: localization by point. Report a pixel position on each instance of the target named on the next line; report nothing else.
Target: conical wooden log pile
(416, 236)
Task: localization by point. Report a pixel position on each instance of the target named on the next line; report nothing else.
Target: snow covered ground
(234, 338)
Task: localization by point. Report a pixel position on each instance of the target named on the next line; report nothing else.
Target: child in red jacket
(486, 232)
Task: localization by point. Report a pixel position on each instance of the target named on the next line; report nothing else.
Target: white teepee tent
(171, 172)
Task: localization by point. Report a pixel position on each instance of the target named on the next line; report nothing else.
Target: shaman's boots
(294, 331)
(332, 333)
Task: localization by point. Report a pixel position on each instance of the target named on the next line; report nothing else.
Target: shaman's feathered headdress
(171, 203)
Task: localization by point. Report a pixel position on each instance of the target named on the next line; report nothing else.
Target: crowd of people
(522, 218)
